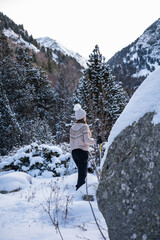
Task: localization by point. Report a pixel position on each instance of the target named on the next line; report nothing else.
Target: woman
(80, 139)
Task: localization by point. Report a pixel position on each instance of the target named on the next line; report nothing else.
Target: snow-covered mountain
(48, 42)
(134, 63)
(46, 53)
(17, 39)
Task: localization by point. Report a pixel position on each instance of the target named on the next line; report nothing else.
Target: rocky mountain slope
(135, 62)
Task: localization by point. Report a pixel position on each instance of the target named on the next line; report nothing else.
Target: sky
(81, 24)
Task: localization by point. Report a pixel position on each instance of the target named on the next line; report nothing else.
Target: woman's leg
(80, 157)
(75, 156)
(82, 170)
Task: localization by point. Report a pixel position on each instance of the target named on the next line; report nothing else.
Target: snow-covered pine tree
(100, 95)
(27, 100)
(10, 131)
(38, 103)
(63, 109)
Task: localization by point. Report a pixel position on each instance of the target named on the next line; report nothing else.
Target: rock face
(129, 191)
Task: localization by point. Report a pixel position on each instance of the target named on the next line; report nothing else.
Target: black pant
(80, 158)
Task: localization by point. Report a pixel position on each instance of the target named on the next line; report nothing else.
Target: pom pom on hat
(79, 112)
(77, 107)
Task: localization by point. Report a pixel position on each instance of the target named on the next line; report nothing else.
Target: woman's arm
(87, 139)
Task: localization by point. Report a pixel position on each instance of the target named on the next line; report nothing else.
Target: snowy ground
(23, 214)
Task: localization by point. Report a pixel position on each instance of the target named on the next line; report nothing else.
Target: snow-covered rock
(146, 99)
(128, 194)
(15, 181)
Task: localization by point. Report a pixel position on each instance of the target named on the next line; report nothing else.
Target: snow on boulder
(15, 181)
(146, 99)
(128, 193)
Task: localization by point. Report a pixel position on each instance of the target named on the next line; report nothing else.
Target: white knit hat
(79, 112)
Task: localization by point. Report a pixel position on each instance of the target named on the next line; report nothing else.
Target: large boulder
(129, 191)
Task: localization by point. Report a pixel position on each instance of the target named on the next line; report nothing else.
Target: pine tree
(38, 105)
(27, 100)
(100, 95)
(10, 131)
(63, 112)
